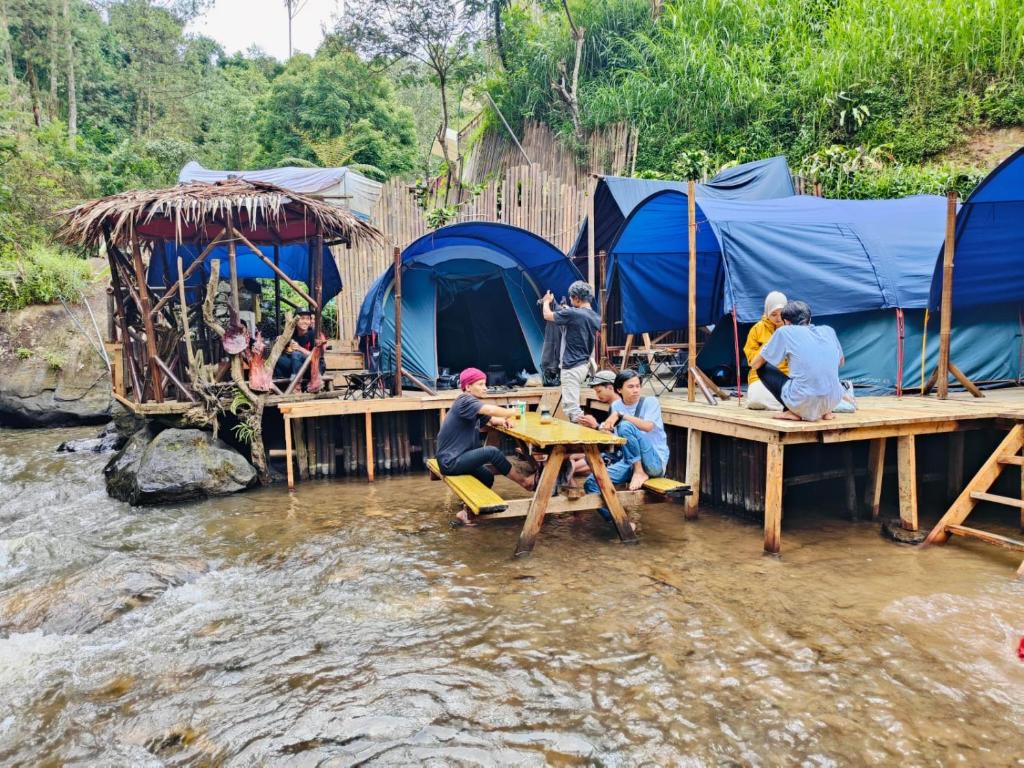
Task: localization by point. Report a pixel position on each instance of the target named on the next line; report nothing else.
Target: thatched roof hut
(264, 213)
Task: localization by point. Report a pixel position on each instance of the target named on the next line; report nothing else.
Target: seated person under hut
(459, 450)
(812, 389)
(300, 347)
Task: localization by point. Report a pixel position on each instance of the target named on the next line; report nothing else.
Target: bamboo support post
(691, 294)
(602, 356)
(398, 321)
(233, 272)
(692, 476)
(946, 312)
(277, 288)
(594, 181)
(369, 446)
(773, 499)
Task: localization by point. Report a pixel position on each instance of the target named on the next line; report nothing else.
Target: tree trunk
(5, 51)
(499, 39)
(33, 89)
(442, 136)
(72, 88)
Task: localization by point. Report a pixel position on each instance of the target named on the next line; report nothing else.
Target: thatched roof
(263, 213)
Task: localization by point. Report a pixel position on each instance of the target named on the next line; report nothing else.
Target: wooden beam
(277, 271)
(773, 499)
(1004, 542)
(540, 501)
(183, 276)
(946, 306)
(691, 294)
(369, 446)
(397, 254)
(906, 464)
(591, 235)
(692, 478)
(876, 473)
(183, 311)
(604, 483)
(969, 385)
(147, 320)
(288, 451)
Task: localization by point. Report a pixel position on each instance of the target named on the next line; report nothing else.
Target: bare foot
(637, 481)
(787, 416)
(828, 416)
(463, 517)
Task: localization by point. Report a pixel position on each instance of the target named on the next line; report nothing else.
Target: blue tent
(293, 259)
(615, 197)
(469, 298)
(989, 264)
(845, 256)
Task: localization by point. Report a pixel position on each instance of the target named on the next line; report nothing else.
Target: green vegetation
(23, 353)
(40, 276)
(744, 79)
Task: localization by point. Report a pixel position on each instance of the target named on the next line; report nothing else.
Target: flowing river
(349, 624)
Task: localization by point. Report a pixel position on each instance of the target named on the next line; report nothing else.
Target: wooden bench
(665, 486)
(478, 498)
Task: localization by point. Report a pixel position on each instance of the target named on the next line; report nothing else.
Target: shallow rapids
(349, 624)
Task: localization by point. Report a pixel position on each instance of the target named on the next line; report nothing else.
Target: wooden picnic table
(559, 439)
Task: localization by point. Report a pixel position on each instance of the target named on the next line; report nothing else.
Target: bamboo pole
(316, 264)
(945, 316)
(183, 309)
(277, 270)
(602, 259)
(233, 273)
(595, 180)
(398, 321)
(691, 209)
(122, 319)
(147, 319)
(277, 287)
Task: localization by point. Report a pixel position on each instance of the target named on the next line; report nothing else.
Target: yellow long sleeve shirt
(757, 338)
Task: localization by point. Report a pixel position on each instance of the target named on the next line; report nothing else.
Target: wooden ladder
(1008, 452)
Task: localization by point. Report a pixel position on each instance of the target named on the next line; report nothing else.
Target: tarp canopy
(988, 267)
(840, 256)
(615, 196)
(338, 186)
(292, 259)
(469, 297)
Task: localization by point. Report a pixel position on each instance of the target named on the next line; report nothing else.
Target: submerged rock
(177, 464)
(109, 439)
(96, 595)
(892, 529)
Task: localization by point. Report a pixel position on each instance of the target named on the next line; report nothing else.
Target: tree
(293, 7)
(441, 35)
(316, 100)
(72, 88)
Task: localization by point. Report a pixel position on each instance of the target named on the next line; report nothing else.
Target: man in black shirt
(458, 443)
(299, 348)
(579, 324)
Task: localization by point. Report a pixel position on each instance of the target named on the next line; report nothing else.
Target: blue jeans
(637, 448)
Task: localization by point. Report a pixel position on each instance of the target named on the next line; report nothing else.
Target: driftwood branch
(280, 343)
(211, 294)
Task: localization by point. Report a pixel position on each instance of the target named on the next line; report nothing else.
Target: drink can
(521, 406)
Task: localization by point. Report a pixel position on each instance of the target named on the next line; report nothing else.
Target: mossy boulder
(175, 465)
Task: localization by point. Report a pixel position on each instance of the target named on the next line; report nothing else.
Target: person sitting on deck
(458, 442)
(580, 325)
(812, 390)
(758, 396)
(638, 419)
(299, 348)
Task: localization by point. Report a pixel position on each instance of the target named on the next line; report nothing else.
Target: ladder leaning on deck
(1008, 452)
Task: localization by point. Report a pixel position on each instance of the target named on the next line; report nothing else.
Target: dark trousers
(290, 363)
(472, 463)
(774, 380)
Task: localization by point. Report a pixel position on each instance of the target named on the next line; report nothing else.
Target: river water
(349, 624)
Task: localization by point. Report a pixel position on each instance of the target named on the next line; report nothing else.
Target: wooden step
(989, 538)
(1018, 460)
(1006, 501)
(478, 498)
(665, 486)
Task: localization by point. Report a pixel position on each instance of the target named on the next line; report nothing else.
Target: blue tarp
(615, 196)
(292, 259)
(481, 282)
(339, 186)
(840, 256)
(988, 267)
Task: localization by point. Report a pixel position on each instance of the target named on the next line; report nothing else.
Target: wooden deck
(877, 419)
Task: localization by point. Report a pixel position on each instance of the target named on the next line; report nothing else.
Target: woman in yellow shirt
(758, 396)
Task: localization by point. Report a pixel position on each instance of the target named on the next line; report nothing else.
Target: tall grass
(748, 78)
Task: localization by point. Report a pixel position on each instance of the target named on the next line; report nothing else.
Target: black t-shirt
(580, 325)
(460, 430)
(305, 340)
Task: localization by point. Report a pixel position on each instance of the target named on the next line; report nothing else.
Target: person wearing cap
(812, 389)
(301, 346)
(459, 451)
(579, 324)
(758, 396)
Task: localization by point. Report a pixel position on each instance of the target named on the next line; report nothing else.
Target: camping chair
(667, 367)
(369, 383)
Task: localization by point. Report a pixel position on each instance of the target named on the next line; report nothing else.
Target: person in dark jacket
(299, 348)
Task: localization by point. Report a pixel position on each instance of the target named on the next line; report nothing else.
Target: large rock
(176, 464)
(51, 374)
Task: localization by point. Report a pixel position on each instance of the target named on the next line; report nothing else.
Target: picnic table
(559, 439)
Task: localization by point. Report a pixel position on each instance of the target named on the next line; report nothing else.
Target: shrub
(40, 276)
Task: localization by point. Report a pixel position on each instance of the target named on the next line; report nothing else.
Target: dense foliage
(743, 79)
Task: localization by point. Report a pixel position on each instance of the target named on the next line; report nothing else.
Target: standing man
(580, 325)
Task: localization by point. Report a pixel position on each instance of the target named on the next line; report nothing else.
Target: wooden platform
(877, 419)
